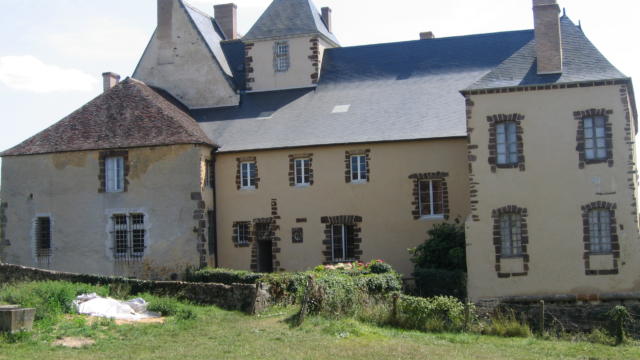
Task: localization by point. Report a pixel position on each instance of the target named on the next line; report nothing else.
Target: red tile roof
(131, 114)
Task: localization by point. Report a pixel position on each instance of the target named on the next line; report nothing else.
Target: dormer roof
(286, 18)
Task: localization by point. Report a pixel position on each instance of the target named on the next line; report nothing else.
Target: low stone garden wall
(249, 298)
(570, 313)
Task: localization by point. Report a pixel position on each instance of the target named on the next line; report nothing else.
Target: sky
(53, 52)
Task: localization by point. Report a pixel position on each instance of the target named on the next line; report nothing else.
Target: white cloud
(28, 73)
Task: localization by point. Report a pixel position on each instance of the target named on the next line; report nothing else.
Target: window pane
(502, 138)
(502, 159)
(599, 131)
(437, 197)
(588, 133)
(425, 204)
(511, 132)
(43, 233)
(588, 123)
(500, 129)
(348, 241)
(513, 158)
(252, 174)
(505, 234)
(363, 167)
(354, 168)
(589, 154)
(589, 144)
(601, 143)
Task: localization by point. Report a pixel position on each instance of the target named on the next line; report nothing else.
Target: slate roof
(131, 114)
(211, 35)
(581, 62)
(396, 91)
(289, 17)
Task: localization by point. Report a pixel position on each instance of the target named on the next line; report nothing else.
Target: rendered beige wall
(384, 203)
(265, 77)
(65, 187)
(187, 70)
(552, 188)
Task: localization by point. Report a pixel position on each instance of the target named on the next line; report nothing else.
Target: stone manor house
(280, 150)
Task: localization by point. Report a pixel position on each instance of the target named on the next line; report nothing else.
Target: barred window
(128, 236)
(281, 56)
(302, 169)
(511, 234)
(431, 196)
(600, 231)
(507, 143)
(43, 237)
(595, 142)
(342, 240)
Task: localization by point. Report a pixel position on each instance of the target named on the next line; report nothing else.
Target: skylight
(341, 109)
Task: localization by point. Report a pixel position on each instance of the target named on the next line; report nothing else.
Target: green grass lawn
(219, 334)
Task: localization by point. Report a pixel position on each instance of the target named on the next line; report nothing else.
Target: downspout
(215, 208)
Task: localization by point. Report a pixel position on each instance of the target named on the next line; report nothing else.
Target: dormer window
(281, 56)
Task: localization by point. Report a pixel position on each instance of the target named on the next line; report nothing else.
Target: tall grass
(506, 325)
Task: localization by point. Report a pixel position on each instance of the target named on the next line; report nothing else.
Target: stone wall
(568, 313)
(248, 298)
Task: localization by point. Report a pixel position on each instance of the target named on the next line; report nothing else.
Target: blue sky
(52, 52)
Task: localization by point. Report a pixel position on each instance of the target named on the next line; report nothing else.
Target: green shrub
(222, 276)
(49, 298)
(434, 282)
(599, 336)
(508, 326)
(440, 313)
(444, 249)
(380, 267)
(286, 288)
(163, 305)
(619, 316)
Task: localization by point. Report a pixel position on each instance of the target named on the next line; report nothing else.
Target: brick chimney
(548, 38)
(226, 16)
(427, 35)
(326, 16)
(109, 80)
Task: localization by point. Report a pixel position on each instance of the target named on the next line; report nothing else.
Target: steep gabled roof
(287, 18)
(131, 114)
(581, 62)
(209, 30)
(397, 91)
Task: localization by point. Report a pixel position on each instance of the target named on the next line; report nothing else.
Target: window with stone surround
(430, 196)
(241, 233)
(357, 166)
(128, 236)
(600, 231)
(248, 175)
(342, 245)
(511, 235)
(600, 236)
(114, 169)
(342, 238)
(302, 171)
(281, 56)
(506, 148)
(594, 137)
(43, 238)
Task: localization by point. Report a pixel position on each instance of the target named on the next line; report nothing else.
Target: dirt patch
(74, 342)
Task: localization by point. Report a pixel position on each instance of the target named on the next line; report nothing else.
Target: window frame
(600, 244)
(347, 244)
(509, 146)
(360, 172)
(43, 252)
(281, 56)
(126, 233)
(513, 243)
(431, 202)
(306, 171)
(600, 152)
(209, 174)
(250, 176)
(114, 174)
(243, 233)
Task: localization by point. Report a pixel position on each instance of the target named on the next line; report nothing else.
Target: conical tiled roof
(289, 17)
(131, 114)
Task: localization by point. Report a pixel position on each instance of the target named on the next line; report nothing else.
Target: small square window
(296, 235)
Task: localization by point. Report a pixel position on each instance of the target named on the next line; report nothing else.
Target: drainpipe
(215, 209)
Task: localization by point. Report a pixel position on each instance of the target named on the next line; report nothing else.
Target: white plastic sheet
(94, 305)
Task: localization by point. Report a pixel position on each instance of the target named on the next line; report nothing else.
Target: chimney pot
(326, 16)
(226, 16)
(109, 80)
(427, 35)
(548, 36)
